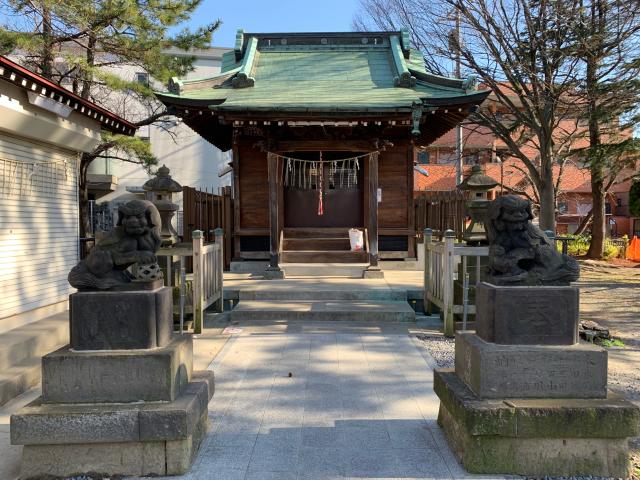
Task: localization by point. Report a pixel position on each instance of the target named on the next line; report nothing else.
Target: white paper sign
(379, 195)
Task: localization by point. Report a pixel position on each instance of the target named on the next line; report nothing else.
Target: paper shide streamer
(305, 174)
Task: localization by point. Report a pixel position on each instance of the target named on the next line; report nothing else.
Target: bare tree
(607, 43)
(518, 49)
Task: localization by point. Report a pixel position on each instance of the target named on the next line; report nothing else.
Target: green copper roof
(321, 71)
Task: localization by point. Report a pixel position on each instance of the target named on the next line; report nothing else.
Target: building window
(470, 159)
(142, 78)
(562, 207)
(423, 158)
(447, 158)
(607, 208)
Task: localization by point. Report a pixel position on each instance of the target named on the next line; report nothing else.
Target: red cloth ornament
(321, 185)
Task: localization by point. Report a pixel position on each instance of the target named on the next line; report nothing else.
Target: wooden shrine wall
(254, 187)
(393, 168)
(395, 178)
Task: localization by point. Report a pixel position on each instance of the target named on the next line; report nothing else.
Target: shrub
(611, 251)
(577, 246)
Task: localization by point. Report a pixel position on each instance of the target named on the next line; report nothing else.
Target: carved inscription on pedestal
(531, 371)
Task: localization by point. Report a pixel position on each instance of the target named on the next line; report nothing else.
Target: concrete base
(114, 439)
(373, 272)
(122, 376)
(271, 273)
(536, 438)
(530, 371)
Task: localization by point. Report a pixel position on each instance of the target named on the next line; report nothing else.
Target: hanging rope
(307, 174)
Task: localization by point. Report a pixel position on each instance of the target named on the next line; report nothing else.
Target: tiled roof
(323, 71)
(442, 177)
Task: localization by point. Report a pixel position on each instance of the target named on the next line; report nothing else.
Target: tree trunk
(584, 223)
(46, 65)
(83, 194)
(598, 226)
(547, 217)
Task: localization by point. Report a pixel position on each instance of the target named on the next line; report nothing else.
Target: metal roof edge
(475, 97)
(109, 120)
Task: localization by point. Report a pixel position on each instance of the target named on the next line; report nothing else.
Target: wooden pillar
(373, 271)
(274, 270)
(236, 194)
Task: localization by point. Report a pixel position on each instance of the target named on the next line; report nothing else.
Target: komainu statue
(519, 252)
(134, 240)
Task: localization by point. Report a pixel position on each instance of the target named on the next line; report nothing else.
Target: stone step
(313, 232)
(19, 378)
(323, 256)
(295, 294)
(339, 244)
(352, 270)
(329, 311)
(33, 340)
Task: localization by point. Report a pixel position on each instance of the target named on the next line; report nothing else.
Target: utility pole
(459, 127)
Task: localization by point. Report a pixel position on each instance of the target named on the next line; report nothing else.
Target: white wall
(38, 204)
(192, 160)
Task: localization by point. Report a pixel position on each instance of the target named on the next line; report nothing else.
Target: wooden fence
(440, 265)
(205, 211)
(440, 211)
(206, 279)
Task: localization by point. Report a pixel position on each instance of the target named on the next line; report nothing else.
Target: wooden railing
(206, 279)
(440, 211)
(441, 261)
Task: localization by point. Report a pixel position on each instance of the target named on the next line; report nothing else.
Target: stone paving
(318, 403)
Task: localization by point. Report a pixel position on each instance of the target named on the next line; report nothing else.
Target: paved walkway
(314, 402)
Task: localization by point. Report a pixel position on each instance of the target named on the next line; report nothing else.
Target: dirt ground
(610, 295)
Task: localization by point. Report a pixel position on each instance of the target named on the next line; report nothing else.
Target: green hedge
(579, 246)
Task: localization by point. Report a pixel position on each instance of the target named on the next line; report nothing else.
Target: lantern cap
(478, 180)
(162, 182)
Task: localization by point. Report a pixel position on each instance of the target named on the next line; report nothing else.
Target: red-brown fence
(205, 211)
(440, 211)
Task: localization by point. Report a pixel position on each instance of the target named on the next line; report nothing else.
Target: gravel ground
(441, 348)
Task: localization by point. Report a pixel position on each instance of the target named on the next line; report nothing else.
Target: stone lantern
(478, 185)
(160, 190)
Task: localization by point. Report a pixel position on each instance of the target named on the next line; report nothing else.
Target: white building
(192, 160)
(43, 130)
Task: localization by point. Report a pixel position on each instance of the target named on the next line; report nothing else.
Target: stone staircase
(366, 305)
(21, 350)
(326, 245)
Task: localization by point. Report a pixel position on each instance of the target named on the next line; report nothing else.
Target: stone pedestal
(121, 319)
(530, 371)
(526, 398)
(120, 376)
(527, 315)
(116, 411)
(536, 437)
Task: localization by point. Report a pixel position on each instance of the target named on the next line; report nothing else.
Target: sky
(273, 16)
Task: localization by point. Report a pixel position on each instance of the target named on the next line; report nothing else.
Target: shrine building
(323, 128)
